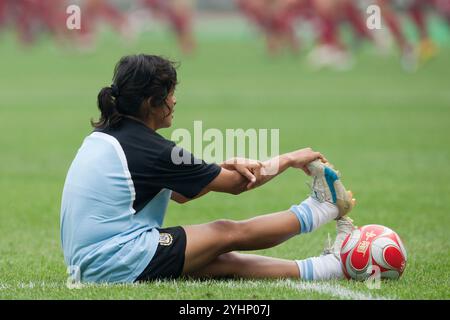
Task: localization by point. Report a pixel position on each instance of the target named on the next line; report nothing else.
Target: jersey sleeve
(181, 172)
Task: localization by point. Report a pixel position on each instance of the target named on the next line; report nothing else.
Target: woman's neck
(148, 123)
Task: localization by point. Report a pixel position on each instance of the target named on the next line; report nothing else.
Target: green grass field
(386, 130)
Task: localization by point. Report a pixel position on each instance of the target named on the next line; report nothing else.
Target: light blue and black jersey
(115, 196)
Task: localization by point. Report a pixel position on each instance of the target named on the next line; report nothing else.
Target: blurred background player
(282, 23)
(2, 13)
(96, 11)
(179, 15)
(281, 15)
(443, 8)
(331, 51)
(276, 20)
(417, 10)
(33, 17)
(256, 12)
(331, 14)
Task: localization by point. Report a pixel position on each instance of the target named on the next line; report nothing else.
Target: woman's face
(171, 101)
(164, 114)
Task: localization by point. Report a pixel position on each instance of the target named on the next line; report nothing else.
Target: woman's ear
(149, 105)
(146, 109)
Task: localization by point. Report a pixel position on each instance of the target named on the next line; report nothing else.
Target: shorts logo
(165, 239)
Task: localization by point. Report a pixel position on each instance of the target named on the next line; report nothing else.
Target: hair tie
(114, 90)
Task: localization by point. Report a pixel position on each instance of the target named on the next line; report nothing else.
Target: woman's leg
(250, 266)
(247, 266)
(206, 242)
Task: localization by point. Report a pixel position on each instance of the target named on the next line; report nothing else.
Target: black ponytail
(106, 102)
(137, 79)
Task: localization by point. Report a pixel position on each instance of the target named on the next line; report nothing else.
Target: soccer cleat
(344, 226)
(328, 187)
(410, 59)
(427, 50)
(330, 56)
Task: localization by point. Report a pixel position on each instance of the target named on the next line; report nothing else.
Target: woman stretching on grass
(120, 182)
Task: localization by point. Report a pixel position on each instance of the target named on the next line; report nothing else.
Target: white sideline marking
(333, 290)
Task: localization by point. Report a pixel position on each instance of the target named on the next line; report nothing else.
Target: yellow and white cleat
(327, 186)
(427, 50)
(344, 226)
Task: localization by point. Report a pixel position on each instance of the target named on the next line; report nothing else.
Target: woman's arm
(228, 181)
(238, 175)
(297, 159)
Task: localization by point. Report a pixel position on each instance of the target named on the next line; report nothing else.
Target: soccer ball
(373, 250)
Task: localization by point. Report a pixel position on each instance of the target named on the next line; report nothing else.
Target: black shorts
(168, 261)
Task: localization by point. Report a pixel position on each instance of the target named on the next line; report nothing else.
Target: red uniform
(276, 19)
(255, 12)
(179, 15)
(353, 15)
(33, 16)
(2, 12)
(443, 7)
(95, 10)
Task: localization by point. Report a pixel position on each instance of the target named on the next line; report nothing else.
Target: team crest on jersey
(165, 239)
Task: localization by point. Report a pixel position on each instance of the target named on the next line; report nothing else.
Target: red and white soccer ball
(371, 249)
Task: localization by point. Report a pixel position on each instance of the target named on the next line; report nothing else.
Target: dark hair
(136, 78)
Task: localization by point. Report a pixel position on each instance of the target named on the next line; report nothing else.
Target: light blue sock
(312, 214)
(325, 267)
(306, 269)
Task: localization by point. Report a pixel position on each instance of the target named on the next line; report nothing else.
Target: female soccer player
(119, 184)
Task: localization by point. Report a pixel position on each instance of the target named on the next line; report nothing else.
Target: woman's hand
(248, 168)
(258, 173)
(301, 158)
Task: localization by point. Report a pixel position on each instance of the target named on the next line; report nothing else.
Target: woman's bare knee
(229, 232)
(206, 242)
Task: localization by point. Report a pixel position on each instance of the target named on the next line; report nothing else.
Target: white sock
(312, 214)
(325, 267)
